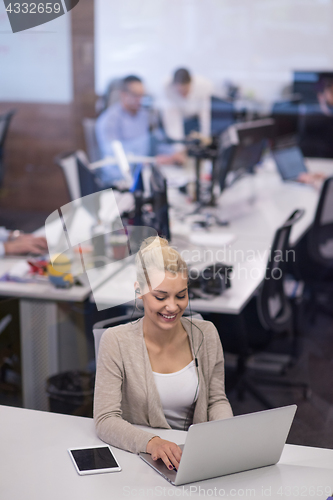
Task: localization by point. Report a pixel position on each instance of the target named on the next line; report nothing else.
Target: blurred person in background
(17, 243)
(316, 128)
(186, 105)
(134, 125)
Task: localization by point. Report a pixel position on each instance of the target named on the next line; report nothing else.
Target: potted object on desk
(59, 272)
(118, 244)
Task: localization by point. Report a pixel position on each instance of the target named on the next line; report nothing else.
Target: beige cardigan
(125, 390)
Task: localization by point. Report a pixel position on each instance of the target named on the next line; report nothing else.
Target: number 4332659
(33, 8)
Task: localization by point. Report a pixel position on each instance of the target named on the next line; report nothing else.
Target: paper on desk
(212, 239)
(176, 176)
(19, 272)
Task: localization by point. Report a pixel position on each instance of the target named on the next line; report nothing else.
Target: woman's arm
(110, 426)
(218, 403)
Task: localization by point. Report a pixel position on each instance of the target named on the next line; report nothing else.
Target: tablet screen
(94, 459)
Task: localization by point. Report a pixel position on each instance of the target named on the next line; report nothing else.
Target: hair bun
(153, 242)
(156, 253)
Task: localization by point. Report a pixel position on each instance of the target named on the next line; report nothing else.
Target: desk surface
(35, 464)
(42, 291)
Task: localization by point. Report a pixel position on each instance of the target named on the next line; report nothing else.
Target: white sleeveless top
(178, 392)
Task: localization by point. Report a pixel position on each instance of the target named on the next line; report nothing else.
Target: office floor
(314, 418)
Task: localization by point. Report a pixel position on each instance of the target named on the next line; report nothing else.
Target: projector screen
(255, 44)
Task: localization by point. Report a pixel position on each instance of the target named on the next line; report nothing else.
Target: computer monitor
(222, 115)
(241, 147)
(286, 115)
(308, 84)
(159, 200)
(158, 217)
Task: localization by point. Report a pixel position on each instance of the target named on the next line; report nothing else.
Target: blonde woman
(163, 371)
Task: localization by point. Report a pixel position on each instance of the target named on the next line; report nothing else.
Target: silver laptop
(227, 446)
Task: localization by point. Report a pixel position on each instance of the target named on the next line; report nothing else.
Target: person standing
(186, 105)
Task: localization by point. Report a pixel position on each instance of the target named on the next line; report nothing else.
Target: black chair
(320, 241)
(267, 317)
(4, 126)
(314, 255)
(80, 180)
(92, 147)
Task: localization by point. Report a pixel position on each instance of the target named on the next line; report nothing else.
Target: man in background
(16, 243)
(316, 127)
(133, 125)
(186, 105)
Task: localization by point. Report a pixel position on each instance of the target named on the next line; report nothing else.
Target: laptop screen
(290, 162)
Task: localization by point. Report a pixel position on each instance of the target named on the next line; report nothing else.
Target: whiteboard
(254, 43)
(36, 64)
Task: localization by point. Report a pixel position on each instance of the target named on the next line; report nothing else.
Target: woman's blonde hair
(156, 254)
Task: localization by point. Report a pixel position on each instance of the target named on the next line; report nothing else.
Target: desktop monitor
(157, 217)
(222, 115)
(159, 200)
(241, 148)
(286, 115)
(309, 83)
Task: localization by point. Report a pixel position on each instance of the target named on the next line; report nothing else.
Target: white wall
(255, 43)
(36, 65)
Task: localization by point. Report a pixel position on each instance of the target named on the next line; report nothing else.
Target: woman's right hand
(169, 452)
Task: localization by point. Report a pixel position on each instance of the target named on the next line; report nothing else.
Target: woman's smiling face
(165, 304)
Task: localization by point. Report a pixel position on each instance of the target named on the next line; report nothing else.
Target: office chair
(67, 162)
(267, 316)
(100, 327)
(80, 181)
(314, 255)
(320, 241)
(4, 126)
(92, 147)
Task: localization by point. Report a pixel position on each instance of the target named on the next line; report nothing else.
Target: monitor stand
(203, 153)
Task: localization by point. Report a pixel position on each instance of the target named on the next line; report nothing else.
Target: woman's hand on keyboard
(169, 452)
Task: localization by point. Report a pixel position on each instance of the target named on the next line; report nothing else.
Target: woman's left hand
(168, 451)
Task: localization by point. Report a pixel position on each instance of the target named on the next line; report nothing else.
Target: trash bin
(72, 393)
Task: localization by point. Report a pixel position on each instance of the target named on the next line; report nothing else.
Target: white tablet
(94, 460)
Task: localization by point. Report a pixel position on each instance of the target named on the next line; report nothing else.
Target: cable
(191, 408)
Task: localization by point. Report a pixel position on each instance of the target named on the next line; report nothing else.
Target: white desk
(35, 465)
(40, 318)
(255, 207)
